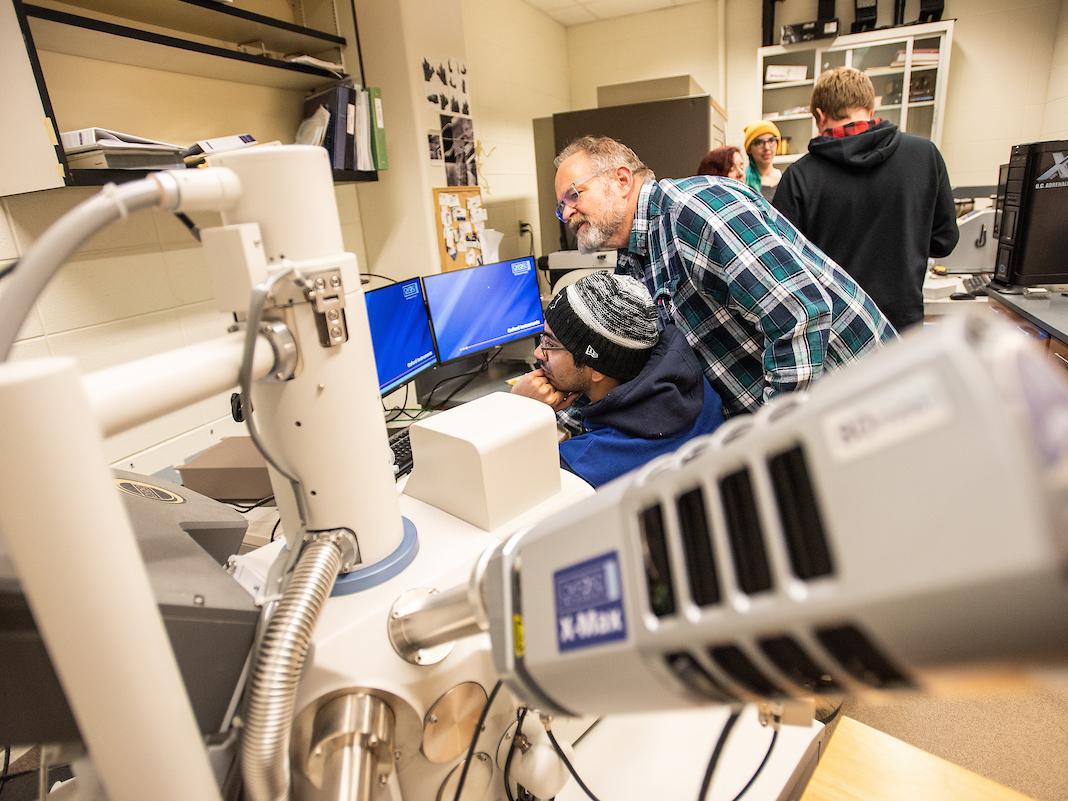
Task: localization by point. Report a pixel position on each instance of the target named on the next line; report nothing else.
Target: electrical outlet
(525, 228)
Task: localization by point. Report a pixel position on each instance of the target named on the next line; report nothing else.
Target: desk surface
(864, 764)
(1050, 314)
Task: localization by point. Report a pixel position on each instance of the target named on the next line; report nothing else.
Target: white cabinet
(908, 65)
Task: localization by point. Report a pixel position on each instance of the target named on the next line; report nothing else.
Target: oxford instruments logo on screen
(410, 291)
(520, 267)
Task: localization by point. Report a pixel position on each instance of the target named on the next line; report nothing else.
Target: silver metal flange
(283, 344)
(411, 633)
(451, 720)
(344, 539)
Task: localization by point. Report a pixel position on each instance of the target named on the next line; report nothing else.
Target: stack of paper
(101, 148)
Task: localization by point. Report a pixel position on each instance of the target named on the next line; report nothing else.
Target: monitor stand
(515, 359)
(1006, 289)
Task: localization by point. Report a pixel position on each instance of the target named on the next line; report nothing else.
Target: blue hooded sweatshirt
(669, 402)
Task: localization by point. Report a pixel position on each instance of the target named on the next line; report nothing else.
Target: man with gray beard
(764, 309)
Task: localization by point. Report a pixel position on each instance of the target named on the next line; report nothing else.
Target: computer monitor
(400, 333)
(478, 308)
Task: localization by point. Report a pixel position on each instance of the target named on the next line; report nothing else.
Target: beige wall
(518, 59)
(1000, 87)
(1055, 115)
(657, 44)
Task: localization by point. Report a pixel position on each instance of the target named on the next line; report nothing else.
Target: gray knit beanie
(606, 321)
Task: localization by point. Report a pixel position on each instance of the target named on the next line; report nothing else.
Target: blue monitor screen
(400, 333)
(478, 308)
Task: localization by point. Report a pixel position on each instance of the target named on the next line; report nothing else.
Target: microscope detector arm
(907, 515)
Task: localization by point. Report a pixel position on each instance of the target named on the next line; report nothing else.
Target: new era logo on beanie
(607, 321)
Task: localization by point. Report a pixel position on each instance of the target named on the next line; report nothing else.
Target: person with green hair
(761, 144)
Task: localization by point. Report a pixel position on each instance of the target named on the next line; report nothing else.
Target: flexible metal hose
(273, 687)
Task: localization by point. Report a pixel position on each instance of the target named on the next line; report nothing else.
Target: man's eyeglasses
(547, 344)
(571, 196)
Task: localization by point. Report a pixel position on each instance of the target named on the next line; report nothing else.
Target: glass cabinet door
(787, 81)
(923, 83)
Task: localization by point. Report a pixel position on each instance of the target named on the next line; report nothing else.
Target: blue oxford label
(589, 603)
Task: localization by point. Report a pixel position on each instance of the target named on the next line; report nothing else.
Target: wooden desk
(864, 764)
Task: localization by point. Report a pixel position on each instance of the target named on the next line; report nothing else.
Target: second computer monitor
(478, 308)
(400, 333)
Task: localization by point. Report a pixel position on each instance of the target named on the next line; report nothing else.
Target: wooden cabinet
(1058, 352)
(908, 66)
(174, 70)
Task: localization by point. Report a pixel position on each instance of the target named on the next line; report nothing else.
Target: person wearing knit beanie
(607, 322)
(761, 143)
(638, 392)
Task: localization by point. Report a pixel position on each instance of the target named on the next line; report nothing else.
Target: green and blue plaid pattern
(765, 310)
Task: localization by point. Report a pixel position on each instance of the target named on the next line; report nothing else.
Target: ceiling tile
(607, 9)
(573, 15)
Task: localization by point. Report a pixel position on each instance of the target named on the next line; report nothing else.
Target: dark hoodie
(667, 403)
(879, 203)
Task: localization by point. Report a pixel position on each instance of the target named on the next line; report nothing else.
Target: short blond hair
(839, 91)
(606, 154)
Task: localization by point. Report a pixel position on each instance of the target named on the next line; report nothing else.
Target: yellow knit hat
(759, 129)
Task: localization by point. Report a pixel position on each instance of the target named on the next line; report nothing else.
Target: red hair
(718, 161)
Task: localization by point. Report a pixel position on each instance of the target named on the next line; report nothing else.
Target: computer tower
(1033, 208)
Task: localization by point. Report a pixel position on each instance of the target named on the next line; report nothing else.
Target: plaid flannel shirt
(765, 310)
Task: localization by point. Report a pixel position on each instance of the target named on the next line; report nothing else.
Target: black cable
(244, 509)
(276, 524)
(717, 751)
(383, 277)
(760, 767)
(567, 764)
(479, 371)
(4, 273)
(474, 740)
(428, 403)
(188, 223)
(511, 753)
(401, 410)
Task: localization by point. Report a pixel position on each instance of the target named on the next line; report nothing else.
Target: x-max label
(589, 603)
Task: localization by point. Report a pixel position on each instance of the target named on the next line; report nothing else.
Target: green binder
(378, 129)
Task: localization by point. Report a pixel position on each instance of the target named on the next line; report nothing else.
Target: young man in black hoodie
(874, 199)
(639, 393)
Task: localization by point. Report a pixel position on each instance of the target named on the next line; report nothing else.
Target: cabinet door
(28, 157)
(925, 79)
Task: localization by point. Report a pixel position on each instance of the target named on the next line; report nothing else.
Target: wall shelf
(101, 177)
(74, 35)
(788, 84)
(218, 21)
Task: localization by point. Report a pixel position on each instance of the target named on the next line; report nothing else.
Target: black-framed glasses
(767, 141)
(571, 196)
(542, 343)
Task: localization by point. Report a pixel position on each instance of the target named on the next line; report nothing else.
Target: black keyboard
(401, 446)
(977, 284)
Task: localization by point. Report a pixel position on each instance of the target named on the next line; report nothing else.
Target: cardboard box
(232, 470)
(779, 73)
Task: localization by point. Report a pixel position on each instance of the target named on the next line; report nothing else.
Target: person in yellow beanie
(761, 144)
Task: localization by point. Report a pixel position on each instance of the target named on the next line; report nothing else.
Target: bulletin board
(460, 219)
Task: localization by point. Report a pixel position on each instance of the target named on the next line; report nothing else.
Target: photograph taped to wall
(433, 145)
(458, 144)
(445, 83)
